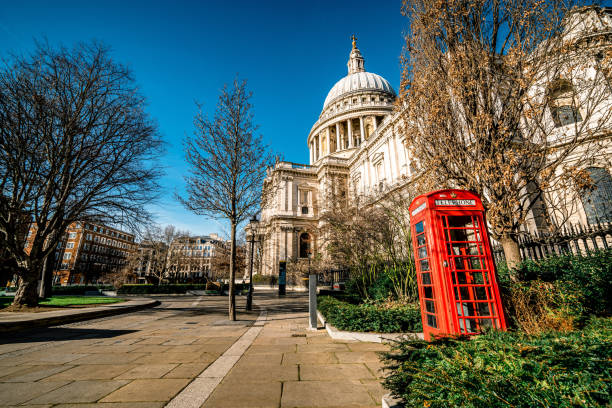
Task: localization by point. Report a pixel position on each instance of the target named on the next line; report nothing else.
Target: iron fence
(573, 239)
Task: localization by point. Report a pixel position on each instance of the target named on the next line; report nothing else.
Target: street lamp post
(249, 302)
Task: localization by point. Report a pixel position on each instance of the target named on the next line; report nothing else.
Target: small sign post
(312, 301)
(282, 278)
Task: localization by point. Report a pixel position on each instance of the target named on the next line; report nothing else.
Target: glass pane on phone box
(428, 292)
(459, 262)
(424, 265)
(431, 321)
(458, 235)
(421, 240)
(468, 309)
(422, 252)
(485, 323)
(429, 306)
(481, 293)
(419, 227)
(483, 309)
(461, 278)
(477, 278)
(465, 293)
(460, 221)
(471, 325)
(475, 263)
(426, 278)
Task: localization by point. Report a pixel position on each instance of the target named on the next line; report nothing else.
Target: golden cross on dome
(354, 41)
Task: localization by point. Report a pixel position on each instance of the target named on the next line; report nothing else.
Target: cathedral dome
(358, 82)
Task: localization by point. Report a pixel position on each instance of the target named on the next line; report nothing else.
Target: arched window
(562, 104)
(598, 202)
(305, 245)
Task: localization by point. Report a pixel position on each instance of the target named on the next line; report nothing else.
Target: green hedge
(179, 288)
(78, 290)
(265, 279)
(159, 289)
(506, 370)
(370, 317)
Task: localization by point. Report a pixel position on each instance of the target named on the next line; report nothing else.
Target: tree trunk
(512, 254)
(232, 295)
(27, 294)
(46, 285)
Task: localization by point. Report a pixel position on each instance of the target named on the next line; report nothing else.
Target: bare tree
(507, 99)
(75, 144)
(220, 261)
(154, 252)
(228, 165)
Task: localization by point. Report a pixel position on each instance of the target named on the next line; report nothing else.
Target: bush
(382, 318)
(505, 369)
(79, 290)
(588, 277)
(264, 279)
(139, 289)
(559, 292)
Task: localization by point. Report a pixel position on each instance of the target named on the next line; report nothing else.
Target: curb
(365, 336)
(76, 316)
(389, 402)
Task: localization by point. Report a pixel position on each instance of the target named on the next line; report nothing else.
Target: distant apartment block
(189, 258)
(87, 252)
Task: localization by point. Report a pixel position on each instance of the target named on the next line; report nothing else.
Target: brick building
(87, 252)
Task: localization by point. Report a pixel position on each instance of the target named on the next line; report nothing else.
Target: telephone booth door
(469, 269)
(458, 290)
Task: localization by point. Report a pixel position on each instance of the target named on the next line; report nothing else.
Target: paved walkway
(148, 358)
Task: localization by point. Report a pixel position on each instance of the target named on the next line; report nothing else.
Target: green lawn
(59, 301)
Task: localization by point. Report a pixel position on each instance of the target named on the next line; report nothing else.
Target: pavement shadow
(61, 333)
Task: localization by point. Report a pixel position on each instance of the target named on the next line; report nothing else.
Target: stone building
(189, 258)
(357, 149)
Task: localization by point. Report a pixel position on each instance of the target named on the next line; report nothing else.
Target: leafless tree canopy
(75, 144)
(479, 87)
(228, 164)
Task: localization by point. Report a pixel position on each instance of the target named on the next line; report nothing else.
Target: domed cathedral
(353, 151)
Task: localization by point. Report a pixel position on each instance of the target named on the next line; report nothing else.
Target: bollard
(312, 301)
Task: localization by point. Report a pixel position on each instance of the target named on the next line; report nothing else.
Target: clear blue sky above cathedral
(180, 52)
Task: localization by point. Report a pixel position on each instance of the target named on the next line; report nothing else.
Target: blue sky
(180, 52)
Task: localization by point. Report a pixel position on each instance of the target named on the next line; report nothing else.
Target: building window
(562, 103)
(305, 245)
(70, 245)
(72, 235)
(88, 237)
(67, 255)
(597, 203)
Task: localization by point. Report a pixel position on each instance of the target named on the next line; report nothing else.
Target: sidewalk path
(147, 358)
(290, 366)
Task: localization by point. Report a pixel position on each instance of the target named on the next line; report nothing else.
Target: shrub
(559, 292)
(133, 289)
(505, 369)
(590, 277)
(79, 290)
(264, 279)
(382, 318)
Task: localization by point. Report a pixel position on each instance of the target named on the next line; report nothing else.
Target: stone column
(338, 137)
(362, 136)
(350, 133)
(311, 152)
(375, 124)
(327, 132)
(319, 146)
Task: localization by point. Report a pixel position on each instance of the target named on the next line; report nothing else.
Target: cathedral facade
(357, 149)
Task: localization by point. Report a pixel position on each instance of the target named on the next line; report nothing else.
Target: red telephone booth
(455, 269)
